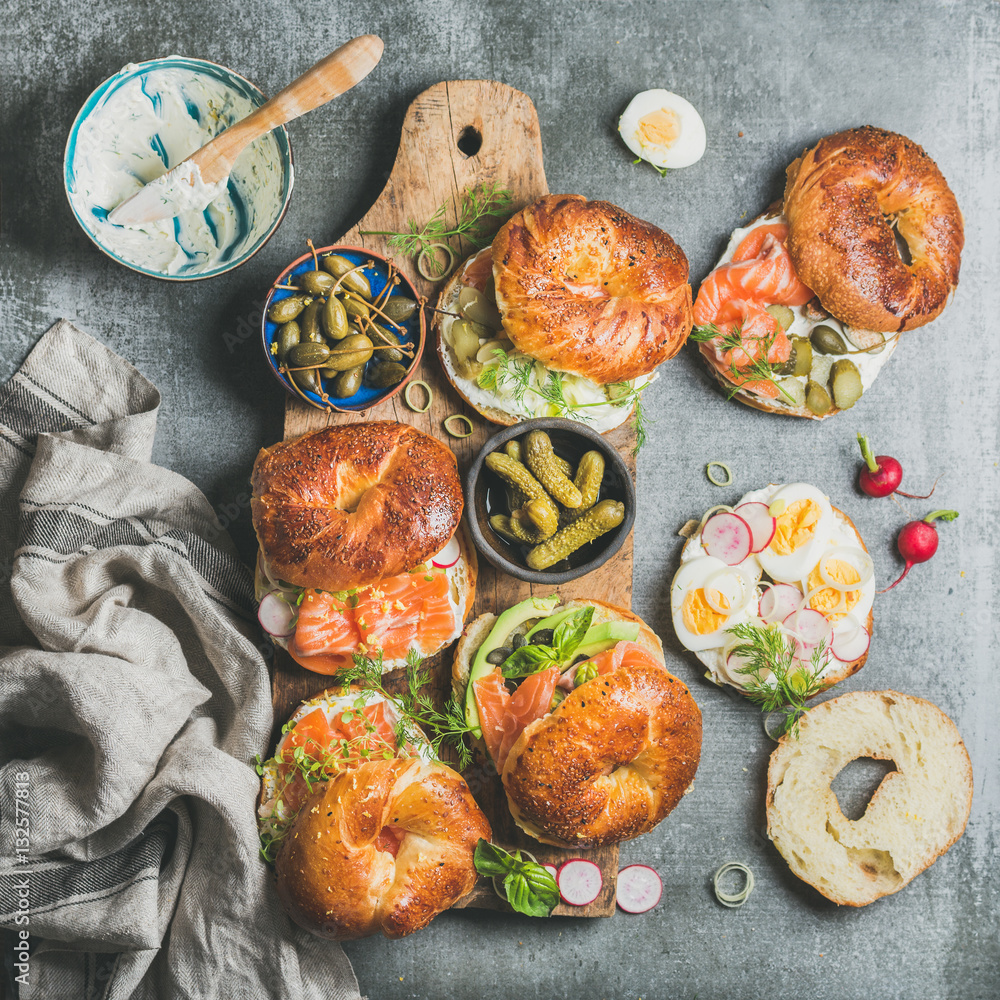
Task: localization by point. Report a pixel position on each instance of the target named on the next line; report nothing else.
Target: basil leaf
(527, 660)
(570, 631)
(522, 896)
(490, 860)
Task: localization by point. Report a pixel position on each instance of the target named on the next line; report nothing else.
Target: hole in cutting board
(470, 140)
(856, 783)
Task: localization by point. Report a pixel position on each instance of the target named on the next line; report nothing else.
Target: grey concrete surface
(768, 78)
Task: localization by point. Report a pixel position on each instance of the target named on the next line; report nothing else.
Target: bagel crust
(337, 882)
(345, 506)
(917, 812)
(609, 763)
(586, 288)
(837, 197)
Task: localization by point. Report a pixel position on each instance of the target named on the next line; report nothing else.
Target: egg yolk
(828, 600)
(699, 617)
(795, 527)
(659, 128)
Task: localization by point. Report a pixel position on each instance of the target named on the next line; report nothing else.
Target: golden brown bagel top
(838, 196)
(586, 288)
(346, 506)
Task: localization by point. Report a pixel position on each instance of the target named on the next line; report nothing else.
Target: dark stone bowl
(570, 439)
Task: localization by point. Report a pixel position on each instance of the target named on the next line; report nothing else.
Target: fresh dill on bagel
(807, 303)
(567, 314)
(361, 548)
(597, 742)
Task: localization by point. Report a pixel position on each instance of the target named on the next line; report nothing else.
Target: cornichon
(516, 475)
(541, 516)
(589, 475)
(533, 607)
(845, 384)
(540, 459)
(600, 519)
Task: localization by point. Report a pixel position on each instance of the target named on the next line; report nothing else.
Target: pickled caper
(800, 360)
(589, 475)
(826, 340)
(358, 349)
(845, 384)
(347, 383)
(339, 267)
(399, 308)
(288, 308)
(316, 282)
(782, 314)
(380, 334)
(287, 337)
(356, 307)
(540, 459)
(307, 378)
(307, 353)
(386, 375)
(309, 322)
(497, 656)
(600, 519)
(335, 321)
(818, 399)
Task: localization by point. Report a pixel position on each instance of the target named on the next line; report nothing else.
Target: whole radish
(882, 474)
(918, 541)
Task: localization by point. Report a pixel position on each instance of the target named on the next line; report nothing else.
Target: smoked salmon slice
(624, 654)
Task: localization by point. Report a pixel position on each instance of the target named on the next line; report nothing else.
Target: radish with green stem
(918, 541)
(882, 474)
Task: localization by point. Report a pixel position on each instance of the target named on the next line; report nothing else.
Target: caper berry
(347, 383)
(316, 282)
(399, 308)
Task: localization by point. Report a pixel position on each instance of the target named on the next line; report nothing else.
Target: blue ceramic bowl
(152, 115)
(377, 273)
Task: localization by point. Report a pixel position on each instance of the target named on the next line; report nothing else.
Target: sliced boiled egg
(842, 582)
(706, 598)
(664, 129)
(805, 522)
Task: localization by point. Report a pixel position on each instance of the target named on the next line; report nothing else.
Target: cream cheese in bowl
(145, 120)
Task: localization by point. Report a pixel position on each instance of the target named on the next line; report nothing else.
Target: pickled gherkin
(602, 518)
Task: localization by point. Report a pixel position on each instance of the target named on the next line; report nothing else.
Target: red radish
(727, 537)
(551, 869)
(809, 629)
(918, 541)
(882, 474)
(579, 882)
(779, 601)
(639, 889)
(762, 525)
(449, 555)
(275, 616)
(850, 646)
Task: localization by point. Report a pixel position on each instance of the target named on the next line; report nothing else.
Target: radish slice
(851, 644)
(579, 882)
(809, 626)
(762, 525)
(639, 889)
(779, 601)
(551, 869)
(449, 555)
(734, 664)
(276, 616)
(727, 537)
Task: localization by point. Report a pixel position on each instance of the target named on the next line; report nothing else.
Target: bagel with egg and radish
(366, 834)
(597, 742)
(361, 546)
(583, 300)
(807, 303)
(781, 560)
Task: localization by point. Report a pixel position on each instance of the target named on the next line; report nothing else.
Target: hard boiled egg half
(707, 597)
(664, 129)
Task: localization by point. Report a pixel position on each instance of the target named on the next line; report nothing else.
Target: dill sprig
(770, 653)
(479, 205)
(757, 369)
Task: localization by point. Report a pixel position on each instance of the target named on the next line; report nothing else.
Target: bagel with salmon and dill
(361, 545)
(594, 741)
(807, 303)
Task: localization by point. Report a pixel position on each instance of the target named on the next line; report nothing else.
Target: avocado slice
(604, 636)
(533, 607)
(551, 622)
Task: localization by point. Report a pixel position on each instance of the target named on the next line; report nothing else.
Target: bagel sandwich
(807, 303)
(782, 578)
(569, 312)
(366, 830)
(594, 741)
(361, 548)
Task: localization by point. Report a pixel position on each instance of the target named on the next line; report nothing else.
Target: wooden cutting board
(431, 169)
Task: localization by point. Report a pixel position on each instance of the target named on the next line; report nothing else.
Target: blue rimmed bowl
(144, 120)
(377, 270)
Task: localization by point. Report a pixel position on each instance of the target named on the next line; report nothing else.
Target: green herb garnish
(662, 171)
(757, 370)
(568, 635)
(531, 889)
